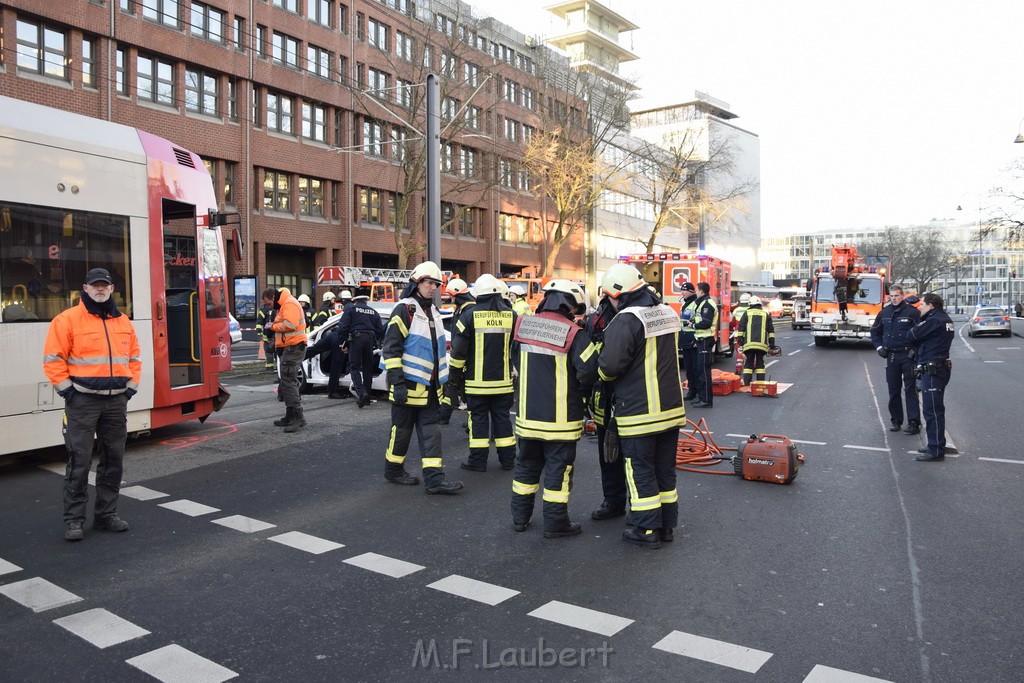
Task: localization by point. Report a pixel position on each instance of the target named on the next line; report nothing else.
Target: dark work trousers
(691, 359)
(899, 376)
(327, 343)
(424, 420)
(360, 360)
(933, 391)
(291, 357)
(449, 403)
(552, 461)
(753, 366)
(489, 417)
(613, 475)
(87, 419)
(705, 359)
(651, 475)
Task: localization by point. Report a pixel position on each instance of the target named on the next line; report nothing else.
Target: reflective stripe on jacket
(756, 331)
(705, 319)
(482, 345)
(289, 325)
(95, 355)
(424, 344)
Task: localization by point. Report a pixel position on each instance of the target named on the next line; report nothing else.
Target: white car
(234, 329)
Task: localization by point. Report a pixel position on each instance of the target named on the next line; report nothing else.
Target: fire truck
(847, 295)
(668, 271)
(377, 283)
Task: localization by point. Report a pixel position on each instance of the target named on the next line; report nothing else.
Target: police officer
(325, 311)
(463, 299)
(889, 335)
(613, 472)
(415, 355)
(705, 330)
(688, 341)
(362, 327)
(481, 365)
(557, 362)
(638, 360)
(519, 303)
(755, 335)
(932, 338)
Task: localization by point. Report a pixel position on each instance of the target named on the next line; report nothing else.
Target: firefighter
(415, 356)
(705, 330)
(638, 360)
(325, 311)
(289, 329)
(481, 365)
(307, 310)
(688, 341)
(264, 317)
(345, 299)
(557, 363)
(889, 335)
(613, 474)
(737, 313)
(932, 338)
(519, 303)
(362, 327)
(463, 298)
(755, 335)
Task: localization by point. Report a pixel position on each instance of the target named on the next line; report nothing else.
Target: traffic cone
(262, 355)
(739, 361)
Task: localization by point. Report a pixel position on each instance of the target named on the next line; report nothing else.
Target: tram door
(181, 283)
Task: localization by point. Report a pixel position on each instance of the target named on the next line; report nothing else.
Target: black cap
(98, 275)
(911, 299)
(687, 287)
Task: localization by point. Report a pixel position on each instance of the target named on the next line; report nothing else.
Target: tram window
(213, 280)
(46, 252)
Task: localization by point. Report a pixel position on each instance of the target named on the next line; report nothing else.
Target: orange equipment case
(768, 457)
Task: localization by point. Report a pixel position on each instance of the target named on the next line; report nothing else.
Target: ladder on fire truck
(354, 276)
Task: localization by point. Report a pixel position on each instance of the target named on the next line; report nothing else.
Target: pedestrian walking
(932, 338)
(362, 327)
(890, 337)
(289, 328)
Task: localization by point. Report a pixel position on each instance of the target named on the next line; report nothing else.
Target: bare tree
(918, 256)
(1008, 208)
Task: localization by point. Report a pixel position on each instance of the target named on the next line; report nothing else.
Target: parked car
(989, 320)
(234, 329)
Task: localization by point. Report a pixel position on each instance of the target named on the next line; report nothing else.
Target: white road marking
(8, 567)
(794, 352)
(770, 363)
(189, 507)
(1015, 462)
(263, 389)
(810, 443)
(1007, 348)
(38, 594)
(582, 618)
(867, 448)
(995, 361)
(101, 628)
(142, 493)
(826, 674)
(178, 665)
(247, 525)
(487, 593)
(810, 345)
(58, 468)
(382, 564)
(301, 541)
(715, 651)
(948, 455)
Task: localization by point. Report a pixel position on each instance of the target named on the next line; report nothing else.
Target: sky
(869, 113)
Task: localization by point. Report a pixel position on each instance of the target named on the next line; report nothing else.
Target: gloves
(130, 392)
(883, 352)
(400, 393)
(611, 442)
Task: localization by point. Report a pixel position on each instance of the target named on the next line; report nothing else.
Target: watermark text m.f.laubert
(481, 654)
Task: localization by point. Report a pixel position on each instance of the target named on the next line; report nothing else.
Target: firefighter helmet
(567, 293)
(621, 278)
(745, 298)
(427, 270)
(346, 295)
(517, 290)
(487, 284)
(304, 299)
(456, 286)
(329, 296)
(753, 301)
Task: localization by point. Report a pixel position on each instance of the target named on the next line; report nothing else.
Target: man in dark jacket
(613, 473)
(705, 330)
(463, 298)
(688, 341)
(932, 338)
(890, 337)
(362, 326)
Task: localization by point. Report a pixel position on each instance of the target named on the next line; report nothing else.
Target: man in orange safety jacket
(289, 328)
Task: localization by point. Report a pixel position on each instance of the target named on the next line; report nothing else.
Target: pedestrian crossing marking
(175, 664)
(247, 525)
(826, 674)
(101, 628)
(714, 651)
(383, 564)
(310, 544)
(581, 617)
(487, 593)
(142, 493)
(38, 594)
(189, 507)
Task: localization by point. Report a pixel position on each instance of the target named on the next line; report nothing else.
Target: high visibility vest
(482, 345)
(753, 332)
(99, 356)
(699, 317)
(419, 355)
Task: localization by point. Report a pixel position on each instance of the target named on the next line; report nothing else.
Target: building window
(511, 91)
(285, 50)
(207, 22)
(525, 185)
(528, 132)
(154, 80)
(319, 11)
(472, 72)
(277, 191)
(511, 130)
(378, 34)
(377, 82)
(256, 105)
(396, 199)
(290, 5)
(232, 99)
(121, 72)
(373, 138)
(468, 162)
(342, 20)
(161, 11)
(126, 6)
(428, 59)
(447, 218)
(403, 93)
(229, 182)
(369, 205)
(318, 61)
(279, 112)
(467, 221)
(444, 25)
(506, 173)
(311, 196)
(42, 50)
(238, 36)
(528, 98)
(449, 65)
(403, 46)
(447, 157)
(88, 63)
(474, 115)
(360, 26)
(398, 139)
(449, 107)
(202, 92)
(314, 122)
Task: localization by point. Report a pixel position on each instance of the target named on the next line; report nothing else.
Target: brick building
(308, 115)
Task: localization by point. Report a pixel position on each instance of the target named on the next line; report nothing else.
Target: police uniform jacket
(557, 365)
(639, 356)
(933, 336)
(687, 336)
(482, 346)
(892, 326)
(705, 319)
(416, 345)
(756, 331)
(360, 319)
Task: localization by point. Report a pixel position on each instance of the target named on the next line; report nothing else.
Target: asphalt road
(869, 565)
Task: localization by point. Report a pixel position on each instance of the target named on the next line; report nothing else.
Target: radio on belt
(768, 457)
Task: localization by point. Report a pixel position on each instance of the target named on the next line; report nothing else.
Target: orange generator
(768, 457)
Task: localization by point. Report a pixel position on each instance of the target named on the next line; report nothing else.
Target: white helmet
(427, 270)
(570, 292)
(753, 301)
(329, 296)
(517, 290)
(487, 284)
(456, 286)
(621, 278)
(745, 298)
(304, 299)
(346, 295)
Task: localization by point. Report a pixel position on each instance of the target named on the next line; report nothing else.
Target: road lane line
(810, 443)
(142, 493)
(866, 448)
(580, 617)
(794, 352)
(948, 455)
(995, 361)
(247, 525)
(101, 628)
(8, 567)
(715, 651)
(826, 674)
(382, 564)
(189, 507)
(770, 363)
(38, 594)
(1015, 462)
(174, 663)
(464, 587)
(301, 541)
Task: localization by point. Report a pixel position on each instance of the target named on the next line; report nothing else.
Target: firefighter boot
(297, 423)
(446, 487)
(645, 538)
(607, 511)
(289, 415)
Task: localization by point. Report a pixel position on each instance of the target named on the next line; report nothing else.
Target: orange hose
(697, 449)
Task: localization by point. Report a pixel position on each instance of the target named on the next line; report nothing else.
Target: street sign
(981, 289)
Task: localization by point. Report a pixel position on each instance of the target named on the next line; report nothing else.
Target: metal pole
(433, 170)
